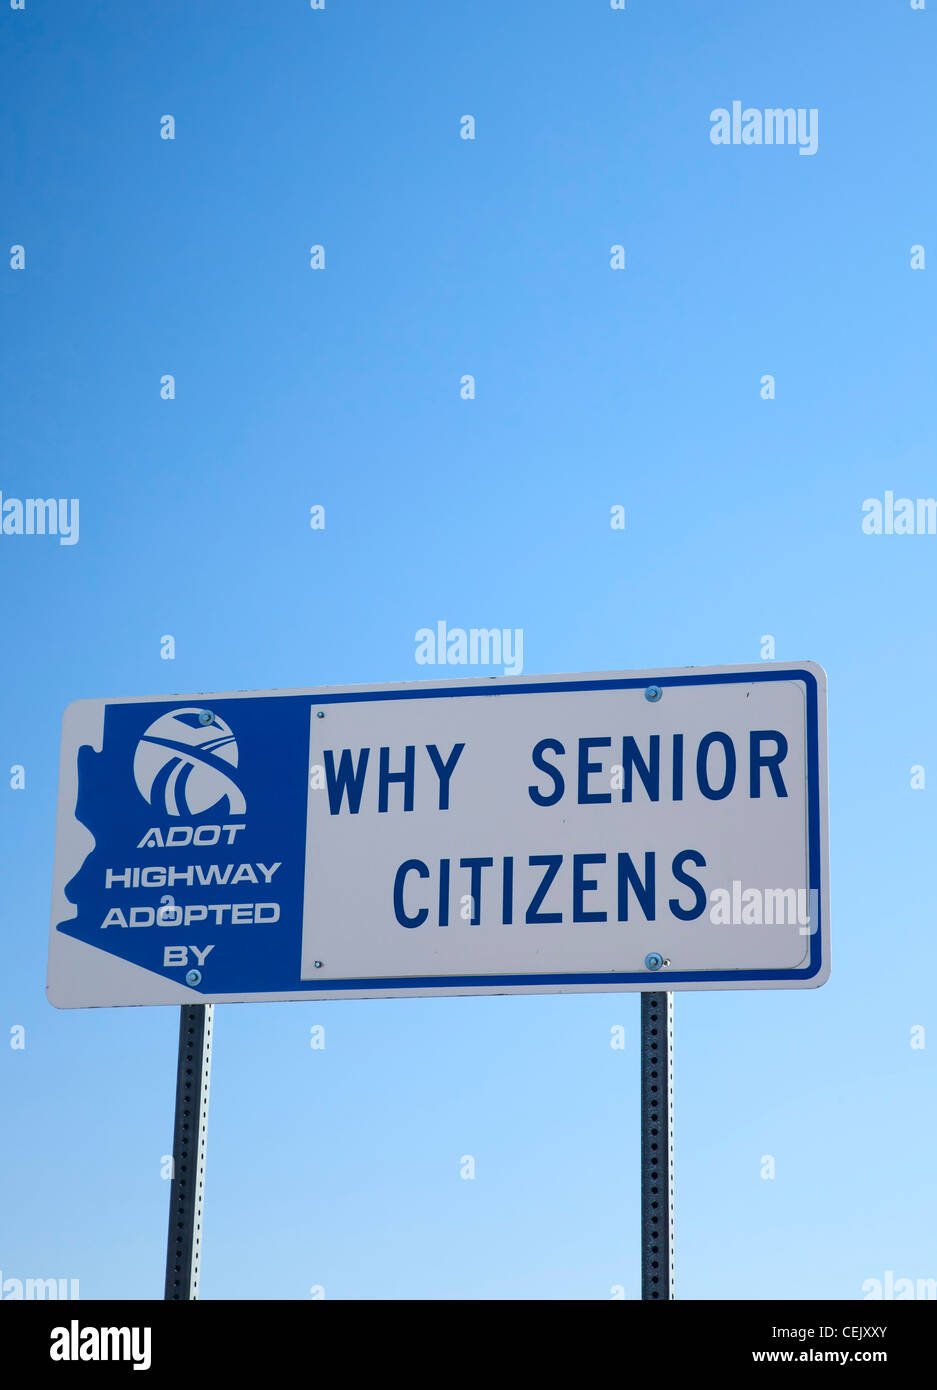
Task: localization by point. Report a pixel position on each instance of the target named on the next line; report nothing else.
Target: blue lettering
(409, 866)
(678, 767)
(585, 885)
(771, 761)
(702, 773)
(644, 892)
(538, 797)
(349, 779)
(444, 770)
(585, 767)
(386, 777)
(552, 863)
(507, 891)
(475, 884)
(687, 914)
(631, 759)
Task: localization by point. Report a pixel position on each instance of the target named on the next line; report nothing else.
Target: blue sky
(594, 387)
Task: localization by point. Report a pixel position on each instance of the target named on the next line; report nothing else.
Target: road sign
(655, 830)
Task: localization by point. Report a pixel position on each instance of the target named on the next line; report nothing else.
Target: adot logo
(183, 763)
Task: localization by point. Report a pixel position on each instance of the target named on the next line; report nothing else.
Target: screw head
(320, 713)
(317, 964)
(193, 977)
(205, 716)
(654, 961)
(653, 693)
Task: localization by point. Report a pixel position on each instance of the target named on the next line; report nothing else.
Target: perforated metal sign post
(190, 1135)
(624, 831)
(657, 1152)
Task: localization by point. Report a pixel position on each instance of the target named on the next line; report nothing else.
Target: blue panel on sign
(208, 848)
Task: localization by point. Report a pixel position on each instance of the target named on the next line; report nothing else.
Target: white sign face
(654, 830)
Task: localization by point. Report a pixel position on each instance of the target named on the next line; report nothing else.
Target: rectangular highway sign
(653, 830)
